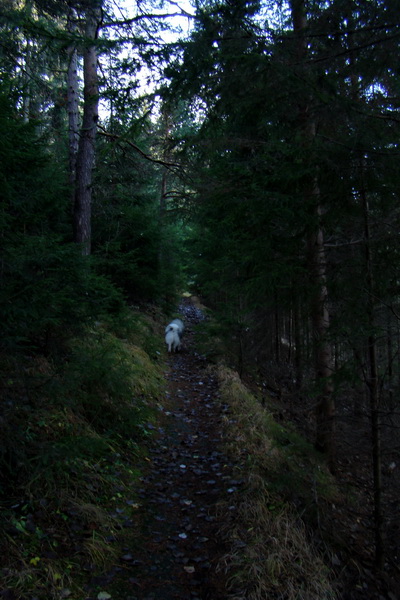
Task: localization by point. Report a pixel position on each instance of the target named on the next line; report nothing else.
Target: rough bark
(72, 101)
(86, 150)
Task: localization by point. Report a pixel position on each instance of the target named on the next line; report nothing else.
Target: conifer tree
(275, 161)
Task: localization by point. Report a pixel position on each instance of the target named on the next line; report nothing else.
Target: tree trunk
(164, 252)
(325, 410)
(298, 344)
(390, 358)
(277, 331)
(373, 390)
(166, 125)
(27, 72)
(72, 101)
(86, 150)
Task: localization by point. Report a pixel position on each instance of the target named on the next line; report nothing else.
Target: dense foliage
(294, 164)
(80, 372)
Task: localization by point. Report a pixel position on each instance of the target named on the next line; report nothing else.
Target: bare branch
(352, 243)
(117, 138)
(138, 18)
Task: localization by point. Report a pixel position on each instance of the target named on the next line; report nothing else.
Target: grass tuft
(272, 553)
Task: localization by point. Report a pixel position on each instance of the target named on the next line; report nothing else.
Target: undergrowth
(273, 553)
(73, 432)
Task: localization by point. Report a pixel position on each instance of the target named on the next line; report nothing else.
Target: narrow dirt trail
(188, 475)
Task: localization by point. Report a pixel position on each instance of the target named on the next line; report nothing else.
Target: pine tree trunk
(298, 345)
(277, 331)
(325, 411)
(390, 358)
(27, 83)
(163, 250)
(373, 390)
(86, 150)
(166, 124)
(72, 102)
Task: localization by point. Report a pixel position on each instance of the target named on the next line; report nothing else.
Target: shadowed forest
(232, 164)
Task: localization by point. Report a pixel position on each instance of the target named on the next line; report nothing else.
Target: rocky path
(179, 546)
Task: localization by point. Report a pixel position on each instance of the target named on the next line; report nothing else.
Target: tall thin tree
(86, 151)
(325, 409)
(72, 98)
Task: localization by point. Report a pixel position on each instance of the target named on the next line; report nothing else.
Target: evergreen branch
(385, 304)
(341, 33)
(351, 148)
(328, 34)
(357, 48)
(341, 245)
(138, 18)
(117, 138)
(384, 116)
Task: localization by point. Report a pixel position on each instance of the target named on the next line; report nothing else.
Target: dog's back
(172, 338)
(178, 324)
(173, 334)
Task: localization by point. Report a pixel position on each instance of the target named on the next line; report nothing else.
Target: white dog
(179, 324)
(173, 333)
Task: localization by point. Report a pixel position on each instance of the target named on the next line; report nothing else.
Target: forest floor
(351, 522)
(174, 549)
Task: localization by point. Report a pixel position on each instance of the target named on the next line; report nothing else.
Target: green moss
(71, 449)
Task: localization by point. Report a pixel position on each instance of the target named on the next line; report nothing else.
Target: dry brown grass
(271, 553)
